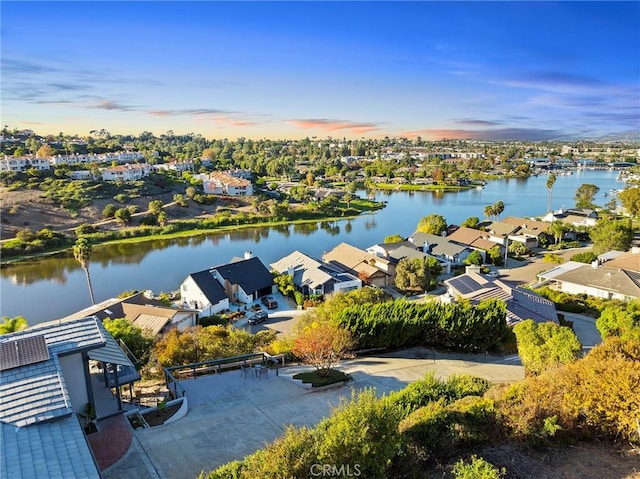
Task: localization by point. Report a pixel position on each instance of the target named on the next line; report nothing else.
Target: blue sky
(487, 70)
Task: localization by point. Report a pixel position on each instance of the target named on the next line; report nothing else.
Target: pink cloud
(335, 125)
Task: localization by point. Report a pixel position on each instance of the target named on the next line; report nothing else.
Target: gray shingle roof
(604, 278)
(209, 286)
(40, 435)
(437, 245)
(310, 272)
(55, 450)
(250, 274)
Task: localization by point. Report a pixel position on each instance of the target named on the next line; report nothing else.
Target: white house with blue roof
(46, 382)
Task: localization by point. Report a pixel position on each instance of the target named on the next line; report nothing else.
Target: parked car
(269, 302)
(259, 317)
(493, 273)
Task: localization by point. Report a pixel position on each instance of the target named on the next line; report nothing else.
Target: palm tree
(82, 251)
(550, 182)
(11, 325)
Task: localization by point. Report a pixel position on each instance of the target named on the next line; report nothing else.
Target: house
(203, 292)
(243, 280)
(49, 373)
(312, 277)
(443, 249)
(143, 311)
(616, 279)
(521, 304)
(369, 267)
(530, 231)
(572, 216)
(498, 231)
(22, 163)
(126, 172)
(221, 183)
(474, 239)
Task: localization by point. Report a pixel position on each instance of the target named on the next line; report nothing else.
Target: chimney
(290, 271)
(248, 255)
(595, 264)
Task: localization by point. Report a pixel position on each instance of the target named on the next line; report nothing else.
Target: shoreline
(179, 234)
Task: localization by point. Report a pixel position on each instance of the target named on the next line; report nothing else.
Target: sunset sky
(479, 70)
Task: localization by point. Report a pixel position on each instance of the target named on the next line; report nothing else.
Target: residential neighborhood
(312, 240)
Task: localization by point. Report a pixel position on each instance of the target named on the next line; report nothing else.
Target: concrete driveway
(230, 416)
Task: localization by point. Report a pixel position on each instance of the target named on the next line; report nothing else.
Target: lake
(51, 288)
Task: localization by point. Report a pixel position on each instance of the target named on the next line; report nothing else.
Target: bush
(148, 220)
(121, 198)
(85, 229)
(477, 468)
(394, 324)
(587, 257)
(213, 320)
(109, 211)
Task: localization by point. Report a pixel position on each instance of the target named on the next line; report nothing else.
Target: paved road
(230, 416)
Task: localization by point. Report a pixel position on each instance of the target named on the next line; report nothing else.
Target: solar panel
(22, 352)
(8, 355)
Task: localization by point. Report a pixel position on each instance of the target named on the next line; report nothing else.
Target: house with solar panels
(49, 374)
(521, 303)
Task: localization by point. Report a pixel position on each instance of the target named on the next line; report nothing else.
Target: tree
(433, 224)
(620, 321)
(412, 274)
(474, 258)
(543, 346)
(155, 207)
(138, 342)
(123, 215)
(489, 211)
(12, 325)
(44, 151)
(347, 198)
(82, 252)
(163, 218)
(498, 208)
(558, 229)
(190, 192)
(517, 248)
(495, 254)
(393, 239)
(551, 180)
(630, 198)
(471, 222)
(585, 195)
(322, 344)
(608, 235)
(180, 199)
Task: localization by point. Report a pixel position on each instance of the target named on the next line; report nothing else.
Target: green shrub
(109, 211)
(586, 257)
(477, 468)
(85, 229)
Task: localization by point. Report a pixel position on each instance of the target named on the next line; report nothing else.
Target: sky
(457, 70)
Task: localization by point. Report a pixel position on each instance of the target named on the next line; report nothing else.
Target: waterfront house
(50, 373)
(368, 267)
(313, 277)
(243, 280)
(474, 239)
(572, 216)
(203, 292)
(442, 248)
(521, 303)
(530, 232)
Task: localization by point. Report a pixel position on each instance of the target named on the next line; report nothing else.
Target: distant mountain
(631, 136)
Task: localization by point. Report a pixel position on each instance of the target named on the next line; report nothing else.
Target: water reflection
(305, 228)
